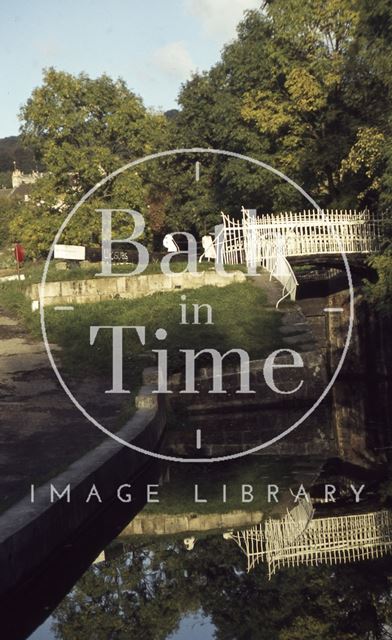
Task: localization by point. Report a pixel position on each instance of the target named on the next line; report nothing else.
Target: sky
(154, 45)
(195, 626)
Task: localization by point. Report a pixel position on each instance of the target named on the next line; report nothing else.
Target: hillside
(12, 150)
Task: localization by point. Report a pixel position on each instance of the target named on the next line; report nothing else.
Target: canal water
(177, 567)
(176, 573)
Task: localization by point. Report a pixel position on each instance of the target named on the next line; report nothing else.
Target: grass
(33, 270)
(14, 301)
(239, 314)
(240, 317)
(12, 294)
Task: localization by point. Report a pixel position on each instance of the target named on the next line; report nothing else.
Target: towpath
(41, 431)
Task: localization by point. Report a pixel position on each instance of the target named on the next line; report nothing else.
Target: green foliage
(375, 46)
(291, 90)
(380, 293)
(305, 87)
(257, 333)
(5, 180)
(10, 210)
(365, 160)
(146, 591)
(13, 151)
(82, 130)
(136, 598)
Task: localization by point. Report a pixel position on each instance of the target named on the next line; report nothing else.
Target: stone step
(150, 376)
(299, 327)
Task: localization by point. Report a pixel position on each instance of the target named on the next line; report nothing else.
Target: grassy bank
(240, 316)
(33, 271)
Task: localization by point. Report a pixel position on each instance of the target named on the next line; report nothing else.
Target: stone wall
(30, 532)
(362, 394)
(165, 524)
(125, 287)
(234, 422)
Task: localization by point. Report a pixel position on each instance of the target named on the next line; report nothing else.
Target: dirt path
(41, 432)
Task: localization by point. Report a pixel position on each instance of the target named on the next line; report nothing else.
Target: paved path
(41, 432)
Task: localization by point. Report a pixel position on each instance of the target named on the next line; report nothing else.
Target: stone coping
(30, 532)
(124, 287)
(166, 524)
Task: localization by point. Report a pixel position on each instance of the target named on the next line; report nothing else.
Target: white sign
(69, 252)
(8, 278)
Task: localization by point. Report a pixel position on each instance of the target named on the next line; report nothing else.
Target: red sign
(19, 252)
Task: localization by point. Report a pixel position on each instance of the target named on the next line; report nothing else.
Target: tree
(136, 596)
(375, 41)
(81, 130)
(296, 90)
(145, 592)
(10, 208)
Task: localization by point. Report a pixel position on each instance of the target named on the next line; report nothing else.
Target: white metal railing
(284, 273)
(269, 240)
(268, 250)
(315, 232)
(299, 538)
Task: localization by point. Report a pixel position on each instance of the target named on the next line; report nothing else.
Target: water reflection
(194, 626)
(299, 538)
(149, 590)
(302, 586)
(171, 575)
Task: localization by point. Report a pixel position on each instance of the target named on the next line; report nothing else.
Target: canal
(198, 550)
(174, 572)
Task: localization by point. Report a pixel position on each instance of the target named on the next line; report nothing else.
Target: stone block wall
(124, 287)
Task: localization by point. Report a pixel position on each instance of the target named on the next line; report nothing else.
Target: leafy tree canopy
(81, 130)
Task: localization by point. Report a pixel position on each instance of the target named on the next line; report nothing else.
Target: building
(21, 183)
(18, 177)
